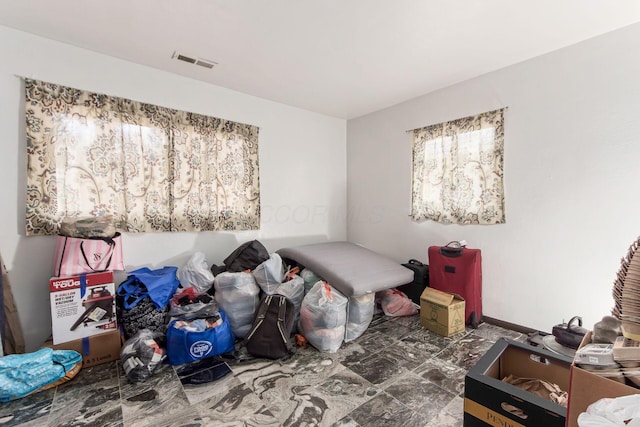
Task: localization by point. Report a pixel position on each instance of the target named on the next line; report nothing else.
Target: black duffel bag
(246, 257)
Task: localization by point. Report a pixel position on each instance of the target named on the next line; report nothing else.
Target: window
(152, 168)
(458, 171)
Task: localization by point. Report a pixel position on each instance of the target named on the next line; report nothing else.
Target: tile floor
(396, 374)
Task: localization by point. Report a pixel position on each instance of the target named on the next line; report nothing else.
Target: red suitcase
(458, 270)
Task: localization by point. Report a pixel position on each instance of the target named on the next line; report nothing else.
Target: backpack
(270, 334)
(246, 257)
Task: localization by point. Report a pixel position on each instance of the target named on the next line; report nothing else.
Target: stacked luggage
(456, 269)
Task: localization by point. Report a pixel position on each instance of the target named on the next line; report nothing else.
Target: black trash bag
(246, 257)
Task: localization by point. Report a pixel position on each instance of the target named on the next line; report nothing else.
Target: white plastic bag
(612, 412)
(294, 290)
(359, 315)
(323, 317)
(195, 273)
(239, 296)
(270, 274)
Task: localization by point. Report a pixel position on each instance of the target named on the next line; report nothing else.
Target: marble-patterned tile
(351, 352)
(312, 362)
(425, 336)
(494, 333)
(239, 406)
(378, 318)
(411, 322)
(444, 374)
(346, 422)
(149, 402)
(417, 341)
(466, 351)
(246, 369)
(187, 418)
(396, 373)
(106, 415)
(420, 395)
(274, 384)
(390, 328)
(93, 374)
(406, 354)
(378, 369)
(326, 403)
(374, 341)
(38, 422)
(451, 416)
(30, 409)
(98, 383)
(385, 410)
(200, 392)
(91, 398)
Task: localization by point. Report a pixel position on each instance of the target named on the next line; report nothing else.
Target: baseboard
(508, 325)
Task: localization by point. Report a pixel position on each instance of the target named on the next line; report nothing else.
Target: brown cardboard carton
(441, 312)
(95, 350)
(586, 388)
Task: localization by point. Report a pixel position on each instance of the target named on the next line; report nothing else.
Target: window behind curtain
(152, 168)
(458, 171)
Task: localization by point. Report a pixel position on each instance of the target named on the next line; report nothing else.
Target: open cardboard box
(490, 401)
(586, 388)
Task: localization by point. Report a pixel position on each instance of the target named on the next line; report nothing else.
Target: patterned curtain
(152, 168)
(458, 171)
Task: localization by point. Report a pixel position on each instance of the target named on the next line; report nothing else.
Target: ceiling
(342, 58)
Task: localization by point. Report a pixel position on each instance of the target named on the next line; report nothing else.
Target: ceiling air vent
(193, 60)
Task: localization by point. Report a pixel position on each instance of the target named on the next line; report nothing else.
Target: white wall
(572, 171)
(301, 200)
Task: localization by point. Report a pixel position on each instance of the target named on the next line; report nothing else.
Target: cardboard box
(586, 388)
(95, 350)
(441, 312)
(488, 401)
(82, 306)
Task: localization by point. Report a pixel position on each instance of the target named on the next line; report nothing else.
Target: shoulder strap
(282, 312)
(264, 307)
(262, 313)
(111, 244)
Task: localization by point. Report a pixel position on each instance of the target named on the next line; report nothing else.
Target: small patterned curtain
(458, 171)
(152, 168)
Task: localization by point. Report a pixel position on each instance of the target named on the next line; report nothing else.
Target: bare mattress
(352, 269)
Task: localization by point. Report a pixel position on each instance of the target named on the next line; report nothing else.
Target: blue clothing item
(22, 374)
(159, 285)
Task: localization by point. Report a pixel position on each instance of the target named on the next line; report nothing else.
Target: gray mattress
(352, 269)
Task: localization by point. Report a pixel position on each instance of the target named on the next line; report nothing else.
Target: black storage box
(488, 401)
